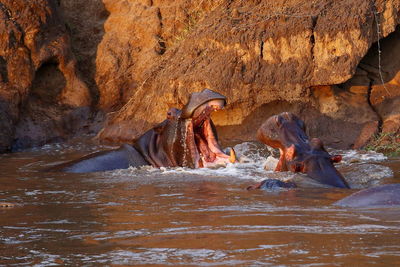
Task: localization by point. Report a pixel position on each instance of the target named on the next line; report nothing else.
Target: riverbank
(70, 68)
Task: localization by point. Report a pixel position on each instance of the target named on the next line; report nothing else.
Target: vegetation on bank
(387, 143)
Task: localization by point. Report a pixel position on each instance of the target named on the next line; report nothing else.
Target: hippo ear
(336, 158)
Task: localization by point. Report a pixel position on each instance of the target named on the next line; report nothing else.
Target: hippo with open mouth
(286, 132)
(297, 153)
(187, 138)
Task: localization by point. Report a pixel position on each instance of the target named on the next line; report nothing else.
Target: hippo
(186, 138)
(286, 132)
(387, 195)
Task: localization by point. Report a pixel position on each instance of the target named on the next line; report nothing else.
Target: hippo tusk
(232, 157)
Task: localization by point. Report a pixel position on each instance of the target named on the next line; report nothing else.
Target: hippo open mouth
(286, 132)
(202, 140)
(206, 148)
(186, 138)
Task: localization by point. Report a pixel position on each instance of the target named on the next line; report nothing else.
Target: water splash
(358, 156)
(256, 163)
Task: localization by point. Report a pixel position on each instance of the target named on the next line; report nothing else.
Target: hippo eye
(301, 125)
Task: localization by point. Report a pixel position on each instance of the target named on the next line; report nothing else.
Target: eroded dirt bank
(269, 57)
(127, 58)
(42, 96)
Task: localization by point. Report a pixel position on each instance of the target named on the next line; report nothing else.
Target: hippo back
(380, 196)
(121, 158)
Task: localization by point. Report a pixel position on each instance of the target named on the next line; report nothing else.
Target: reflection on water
(188, 217)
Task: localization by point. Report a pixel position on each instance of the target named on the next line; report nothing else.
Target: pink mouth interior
(208, 149)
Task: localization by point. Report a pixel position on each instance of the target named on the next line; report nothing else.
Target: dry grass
(195, 15)
(387, 143)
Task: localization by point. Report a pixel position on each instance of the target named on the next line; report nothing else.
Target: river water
(178, 216)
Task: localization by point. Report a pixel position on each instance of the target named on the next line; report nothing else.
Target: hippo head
(297, 154)
(187, 137)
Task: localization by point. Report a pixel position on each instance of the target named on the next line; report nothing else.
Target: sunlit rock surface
(265, 57)
(137, 58)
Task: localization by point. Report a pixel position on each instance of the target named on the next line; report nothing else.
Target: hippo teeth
(232, 157)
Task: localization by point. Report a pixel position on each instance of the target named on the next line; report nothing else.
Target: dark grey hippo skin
(387, 195)
(120, 158)
(286, 132)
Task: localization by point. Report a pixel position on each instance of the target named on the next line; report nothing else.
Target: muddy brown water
(187, 217)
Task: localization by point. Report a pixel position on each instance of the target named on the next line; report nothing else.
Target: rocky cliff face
(319, 59)
(298, 56)
(137, 34)
(39, 83)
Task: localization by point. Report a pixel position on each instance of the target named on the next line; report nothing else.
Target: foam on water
(256, 162)
(363, 175)
(359, 156)
(252, 160)
(360, 168)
